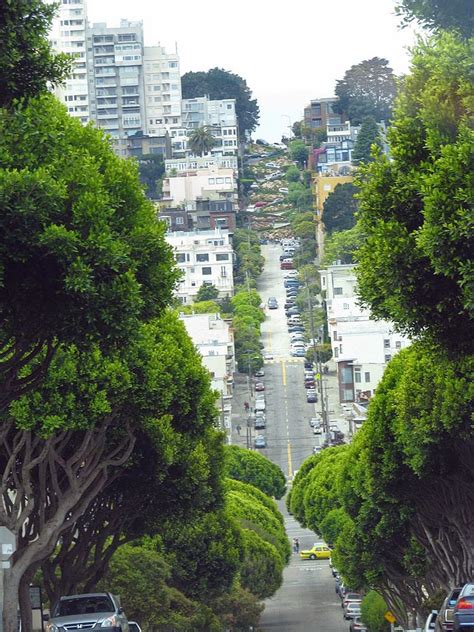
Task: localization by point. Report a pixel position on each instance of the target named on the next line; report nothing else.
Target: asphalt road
(307, 600)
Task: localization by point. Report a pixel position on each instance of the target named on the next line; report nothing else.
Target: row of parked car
(457, 612)
(260, 422)
(351, 601)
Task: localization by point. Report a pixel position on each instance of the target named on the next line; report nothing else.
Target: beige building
(211, 183)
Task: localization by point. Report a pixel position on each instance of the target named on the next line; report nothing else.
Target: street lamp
(290, 127)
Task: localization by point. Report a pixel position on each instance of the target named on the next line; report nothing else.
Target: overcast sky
(288, 52)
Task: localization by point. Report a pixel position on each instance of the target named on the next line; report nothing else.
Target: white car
(283, 190)
(298, 344)
(291, 274)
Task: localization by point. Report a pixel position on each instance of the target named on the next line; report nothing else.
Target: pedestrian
(297, 545)
(246, 406)
(238, 428)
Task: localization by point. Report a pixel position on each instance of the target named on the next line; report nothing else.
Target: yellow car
(318, 551)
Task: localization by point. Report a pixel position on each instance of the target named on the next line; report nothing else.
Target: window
(202, 257)
(334, 335)
(229, 106)
(347, 395)
(388, 358)
(336, 352)
(346, 375)
(181, 257)
(345, 306)
(337, 291)
(211, 180)
(207, 271)
(386, 343)
(398, 344)
(222, 257)
(357, 377)
(180, 220)
(367, 376)
(223, 271)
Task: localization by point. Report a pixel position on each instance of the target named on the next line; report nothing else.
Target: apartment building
(218, 115)
(203, 258)
(193, 163)
(361, 345)
(70, 36)
(319, 113)
(211, 183)
(162, 90)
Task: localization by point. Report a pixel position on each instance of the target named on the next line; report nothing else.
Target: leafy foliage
(151, 169)
(207, 292)
(28, 63)
(368, 135)
(340, 208)
(218, 83)
(367, 89)
(373, 609)
(454, 15)
(416, 210)
(201, 141)
(343, 246)
(254, 468)
(298, 152)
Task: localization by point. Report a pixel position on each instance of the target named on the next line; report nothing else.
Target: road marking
(290, 464)
(283, 368)
(270, 341)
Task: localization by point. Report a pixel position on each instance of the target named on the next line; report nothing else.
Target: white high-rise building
(162, 90)
(70, 36)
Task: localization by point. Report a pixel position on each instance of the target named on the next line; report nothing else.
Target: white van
(260, 405)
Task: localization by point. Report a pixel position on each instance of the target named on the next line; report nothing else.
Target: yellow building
(323, 185)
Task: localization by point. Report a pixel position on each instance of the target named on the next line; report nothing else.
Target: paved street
(307, 600)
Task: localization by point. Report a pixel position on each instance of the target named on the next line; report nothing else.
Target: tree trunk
(11, 584)
(26, 614)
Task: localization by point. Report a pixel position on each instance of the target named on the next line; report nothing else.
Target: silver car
(86, 611)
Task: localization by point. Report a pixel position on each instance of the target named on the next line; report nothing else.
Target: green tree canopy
(342, 246)
(83, 257)
(251, 467)
(201, 141)
(368, 135)
(218, 83)
(416, 209)
(340, 208)
(28, 64)
(207, 292)
(373, 609)
(151, 169)
(454, 15)
(298, 152)
(367, 89)
(293, 174)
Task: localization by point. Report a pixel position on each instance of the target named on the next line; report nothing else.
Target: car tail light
(465, 604)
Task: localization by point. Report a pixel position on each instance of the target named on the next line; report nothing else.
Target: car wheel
(312, 556)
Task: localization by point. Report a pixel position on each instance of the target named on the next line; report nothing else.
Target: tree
(74, 436)
(28, 64)
(368, 135)
(83, 258)
(343, 246)
(323, 353)
(299, 152)
(437, 15)
(373, 609)
(416, 209)
(367, 89)
(201, 141)
(296, 128)
(340, 208)
(251, 467)
(201, 307)
(218, 83)
(151, 169)
(293, 174)
(207, 292)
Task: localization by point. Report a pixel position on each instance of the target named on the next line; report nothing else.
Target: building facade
(205, 257)
(212, 183)
(361, 346)
(162, 91)
(319, 113)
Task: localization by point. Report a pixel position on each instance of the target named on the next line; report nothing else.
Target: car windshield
(83, 605)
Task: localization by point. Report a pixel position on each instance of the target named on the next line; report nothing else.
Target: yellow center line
(290, 464)
(270, 341)
(283, 369)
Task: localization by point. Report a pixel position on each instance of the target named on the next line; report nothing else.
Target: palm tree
(201, 141)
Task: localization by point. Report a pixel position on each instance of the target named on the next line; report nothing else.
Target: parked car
(317, 429)
(260, 204)
(272, 303)
(310, 384)
(293, 311)
(298, 353)
(311, 397)
(260, 405)
(319, 551)
(260, 423)
(288, 304)
(356, 625)
(283, 190)
(464, 610)
(286, 265)
(297, 336)
(134, 627)
(259, 386)
(260, 373)
(308, 365)
(315, 421)
(260, 441)
(294, 328)
(351, 597)
(352, 611)
(430, 622)
(100, 610)
(298, 344)
(445, 620)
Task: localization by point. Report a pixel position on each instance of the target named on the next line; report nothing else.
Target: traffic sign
(389, 617)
